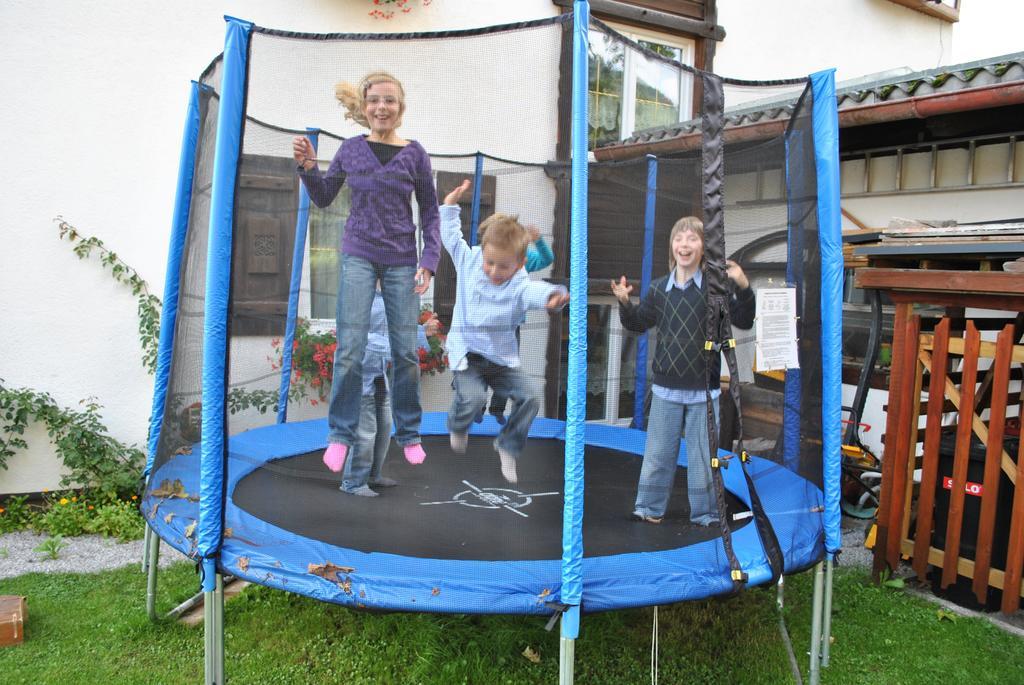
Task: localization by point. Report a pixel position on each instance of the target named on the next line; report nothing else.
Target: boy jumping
(493, 295)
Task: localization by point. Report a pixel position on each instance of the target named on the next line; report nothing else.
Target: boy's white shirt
(486, 315)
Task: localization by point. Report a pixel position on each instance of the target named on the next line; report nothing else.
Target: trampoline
(234, 477)
(453, 526)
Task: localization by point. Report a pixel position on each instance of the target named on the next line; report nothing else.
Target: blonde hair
(687, 223)
(504, 232)
(353, 98)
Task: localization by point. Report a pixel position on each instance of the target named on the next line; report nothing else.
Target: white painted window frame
(687, 49)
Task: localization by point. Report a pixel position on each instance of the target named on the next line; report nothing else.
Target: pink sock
(335, 455)
(414, 454)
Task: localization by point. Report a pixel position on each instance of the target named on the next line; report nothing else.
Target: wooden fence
(951, 382)
(973, 386)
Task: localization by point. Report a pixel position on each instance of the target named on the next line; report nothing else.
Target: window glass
(629, 91)
(607, 58)
(657, 88)
(326, 227)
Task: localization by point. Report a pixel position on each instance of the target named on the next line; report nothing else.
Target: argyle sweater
(679, 358)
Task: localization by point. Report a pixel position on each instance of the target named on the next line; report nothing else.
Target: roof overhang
(933, 104)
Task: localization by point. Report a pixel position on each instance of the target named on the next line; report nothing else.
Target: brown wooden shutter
(265, 211)
(444, 279)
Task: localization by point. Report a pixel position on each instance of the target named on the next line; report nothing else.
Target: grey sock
(361, 491)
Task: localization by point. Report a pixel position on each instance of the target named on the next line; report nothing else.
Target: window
(630, 92)
(325, 232)
(947, 10)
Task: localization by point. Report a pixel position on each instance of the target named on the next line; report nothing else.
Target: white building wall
(792, 38)
(94, 102)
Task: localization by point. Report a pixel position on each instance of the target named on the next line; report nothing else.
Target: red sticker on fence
(970, 488)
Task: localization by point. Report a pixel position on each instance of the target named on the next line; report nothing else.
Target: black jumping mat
(458, 506)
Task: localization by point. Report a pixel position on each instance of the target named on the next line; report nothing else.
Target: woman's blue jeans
(402, 308)
(667, 422)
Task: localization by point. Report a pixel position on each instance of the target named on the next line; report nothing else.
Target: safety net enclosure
(255, 323)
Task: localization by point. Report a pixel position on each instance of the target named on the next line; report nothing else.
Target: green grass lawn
(93, 629)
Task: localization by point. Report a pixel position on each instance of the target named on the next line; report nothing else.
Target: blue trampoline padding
(576, 386)
(169, 312)
(230, 117)
(825, 124)
(395, 582)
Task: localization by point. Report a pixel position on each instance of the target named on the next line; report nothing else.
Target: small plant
(382, 9)
(4, 553)
(312, 362)
(15, 514)
(433, 359)
(119, 520)
(94, 459)
(51, 548)
(65, 516)
(313, 365)
(886, 579)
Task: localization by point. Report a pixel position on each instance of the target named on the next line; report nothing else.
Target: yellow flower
(90, 507)
(2, 510)
(134, 497)
(45, 490)
(74, 499)
(63, 500)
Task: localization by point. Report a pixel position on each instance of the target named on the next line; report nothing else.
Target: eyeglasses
(390, 100)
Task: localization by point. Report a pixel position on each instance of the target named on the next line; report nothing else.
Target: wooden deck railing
(972, 386)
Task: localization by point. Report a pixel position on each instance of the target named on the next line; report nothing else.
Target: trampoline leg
(570, 630)
(566, 659)
(148, 538)
(819, 581)
(150, 563)
(826, 629)
(213, 633)
(780, 604)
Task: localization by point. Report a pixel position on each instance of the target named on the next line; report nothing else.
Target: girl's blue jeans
(402, 308)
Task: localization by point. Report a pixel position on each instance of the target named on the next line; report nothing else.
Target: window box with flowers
(313, 359)
(387, 9)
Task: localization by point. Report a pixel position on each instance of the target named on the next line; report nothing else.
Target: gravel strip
(854, 552)
(83, 554)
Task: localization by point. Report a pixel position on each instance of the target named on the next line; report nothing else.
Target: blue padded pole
(576, 390)
(218, 284)
(172, 279)
(640, 391)
(301, 226)
(478, 177)
(825, 124)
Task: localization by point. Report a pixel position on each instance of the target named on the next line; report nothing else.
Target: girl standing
(383, 171)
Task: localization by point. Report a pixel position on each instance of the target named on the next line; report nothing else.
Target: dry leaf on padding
(329, 571)
(531, 654)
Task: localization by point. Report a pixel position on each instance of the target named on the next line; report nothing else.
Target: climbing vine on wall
(148, 304)
(94, 460)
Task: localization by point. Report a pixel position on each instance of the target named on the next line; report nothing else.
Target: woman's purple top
(380, 227)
